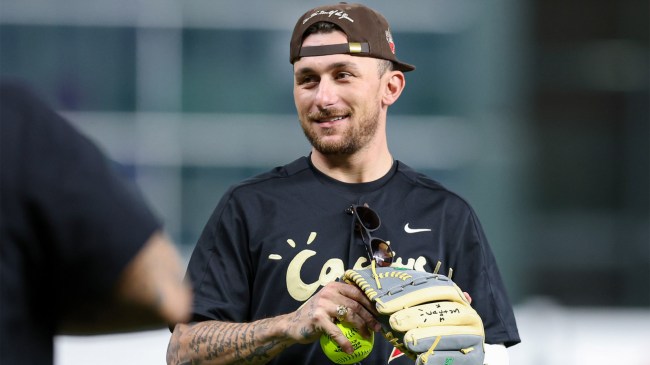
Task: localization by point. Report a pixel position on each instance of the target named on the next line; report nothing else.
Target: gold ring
(341, 311)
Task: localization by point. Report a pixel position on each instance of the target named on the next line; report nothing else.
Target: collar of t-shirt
(354, 188)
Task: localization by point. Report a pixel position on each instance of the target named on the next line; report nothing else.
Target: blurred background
(536, 111)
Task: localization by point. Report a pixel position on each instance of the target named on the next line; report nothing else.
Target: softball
(361, 346)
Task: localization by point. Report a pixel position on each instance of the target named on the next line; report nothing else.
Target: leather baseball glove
(426, 316)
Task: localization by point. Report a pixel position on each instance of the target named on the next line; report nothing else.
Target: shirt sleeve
(86, 219)
(220, 268)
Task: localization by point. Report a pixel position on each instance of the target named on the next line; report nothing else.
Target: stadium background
(536, 111)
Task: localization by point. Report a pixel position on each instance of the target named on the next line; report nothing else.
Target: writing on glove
(424, 315)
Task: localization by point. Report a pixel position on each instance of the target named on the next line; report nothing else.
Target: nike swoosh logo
(408, 229)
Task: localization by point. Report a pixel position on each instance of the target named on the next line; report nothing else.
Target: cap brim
(404, 67)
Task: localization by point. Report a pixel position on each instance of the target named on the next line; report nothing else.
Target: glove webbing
(368, 289)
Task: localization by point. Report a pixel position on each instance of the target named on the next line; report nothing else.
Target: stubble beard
(354, 138)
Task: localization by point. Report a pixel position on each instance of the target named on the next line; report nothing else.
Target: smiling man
(265, 268)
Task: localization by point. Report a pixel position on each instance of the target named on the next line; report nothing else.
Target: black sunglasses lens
(367, 221)
(368, 218)
(381, 252)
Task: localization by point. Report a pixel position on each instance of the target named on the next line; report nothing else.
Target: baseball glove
(426, 316)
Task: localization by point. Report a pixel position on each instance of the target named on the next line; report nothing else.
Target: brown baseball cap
(367, 31)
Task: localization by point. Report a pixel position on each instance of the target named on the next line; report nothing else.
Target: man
(80, 252)
(264, 270)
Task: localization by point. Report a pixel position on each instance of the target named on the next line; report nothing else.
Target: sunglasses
(366, 222)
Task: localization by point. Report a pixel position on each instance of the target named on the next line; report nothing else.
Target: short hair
(385, 66)
(321, 27)
(325, 27)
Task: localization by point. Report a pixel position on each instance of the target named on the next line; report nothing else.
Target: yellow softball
(361, 345)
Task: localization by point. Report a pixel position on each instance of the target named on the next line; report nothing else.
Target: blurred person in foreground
(80, 251)
(265, 268)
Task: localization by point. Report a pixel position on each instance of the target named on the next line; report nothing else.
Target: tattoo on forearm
(235, 340)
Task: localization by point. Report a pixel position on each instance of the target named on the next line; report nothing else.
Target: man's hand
(336, 299)
(216, 342)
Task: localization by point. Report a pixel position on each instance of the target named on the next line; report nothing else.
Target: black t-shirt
(276, 239)
(68, 225)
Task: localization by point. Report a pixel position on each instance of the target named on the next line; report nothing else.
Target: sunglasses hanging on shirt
(366, 222)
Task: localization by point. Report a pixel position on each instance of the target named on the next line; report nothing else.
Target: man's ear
(394, 86)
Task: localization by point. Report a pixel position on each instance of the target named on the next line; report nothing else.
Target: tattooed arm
(216, 342)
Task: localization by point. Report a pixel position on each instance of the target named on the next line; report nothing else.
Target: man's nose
(326, 96)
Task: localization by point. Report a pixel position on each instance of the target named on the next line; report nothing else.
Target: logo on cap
(330, 13)
(389, 39)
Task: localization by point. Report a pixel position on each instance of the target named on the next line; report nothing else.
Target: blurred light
(438, 16)
(614, 65)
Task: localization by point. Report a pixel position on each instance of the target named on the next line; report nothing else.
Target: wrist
(284, 329)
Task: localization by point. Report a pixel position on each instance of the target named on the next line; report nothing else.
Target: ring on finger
(341, 311)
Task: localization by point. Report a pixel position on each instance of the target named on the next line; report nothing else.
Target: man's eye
(343, 75)
(306, 80)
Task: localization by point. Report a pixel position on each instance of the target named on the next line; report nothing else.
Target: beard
(353, 138)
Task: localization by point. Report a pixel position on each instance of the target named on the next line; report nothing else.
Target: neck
(367, 165)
